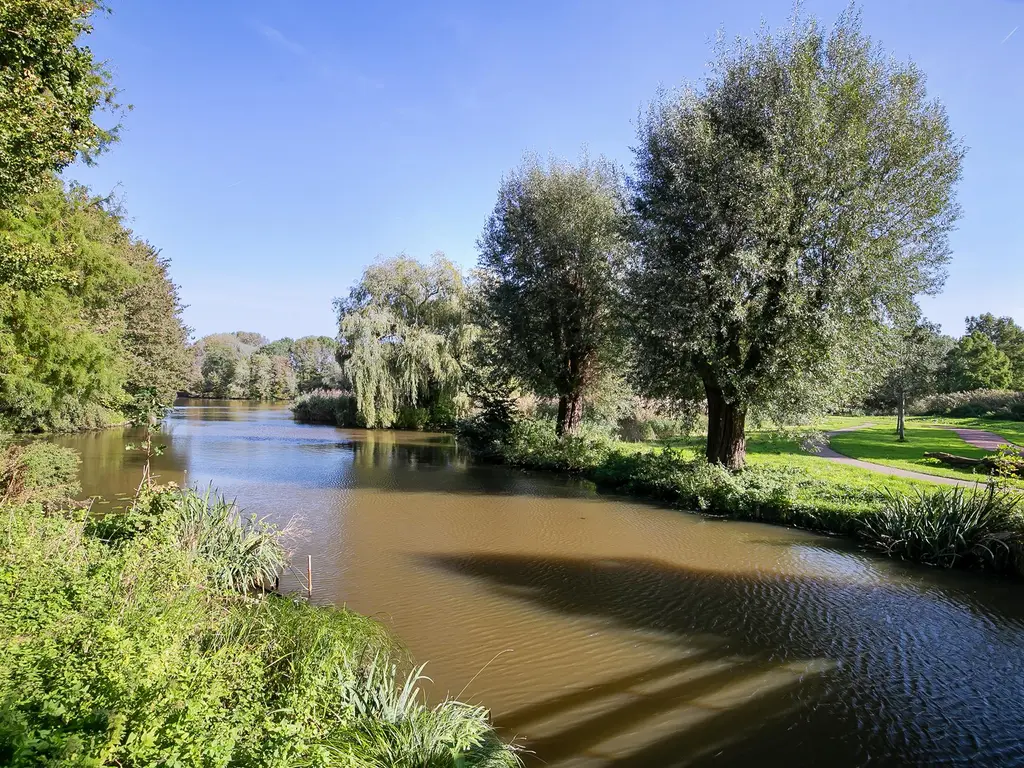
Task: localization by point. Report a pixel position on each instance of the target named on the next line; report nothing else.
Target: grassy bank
(782, 484)
(143, 639)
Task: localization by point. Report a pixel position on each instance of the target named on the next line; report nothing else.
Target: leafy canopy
(976, 363)
(1008, 338)
(75, 349)
(551, 259)
(797, 199)
(403, 333)
(50, 90)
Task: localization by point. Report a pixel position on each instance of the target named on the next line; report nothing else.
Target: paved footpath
(979, 438)
(826, 452)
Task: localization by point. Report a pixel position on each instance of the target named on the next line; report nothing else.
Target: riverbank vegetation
(89, 318)
(145, 638)
(760, 267)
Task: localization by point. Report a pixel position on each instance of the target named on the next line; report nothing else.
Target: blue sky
(276, 148)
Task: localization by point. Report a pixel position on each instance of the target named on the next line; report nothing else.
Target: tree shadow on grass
(892, 672)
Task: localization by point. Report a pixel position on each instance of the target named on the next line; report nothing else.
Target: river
(603, 631)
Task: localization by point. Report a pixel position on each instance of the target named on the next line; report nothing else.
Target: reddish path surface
(979, 438)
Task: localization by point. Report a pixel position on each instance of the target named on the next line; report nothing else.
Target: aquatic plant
(950, 527)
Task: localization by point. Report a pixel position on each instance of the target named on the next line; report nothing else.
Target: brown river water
(603, 631)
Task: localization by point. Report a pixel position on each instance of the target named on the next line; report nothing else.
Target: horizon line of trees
(246, 365)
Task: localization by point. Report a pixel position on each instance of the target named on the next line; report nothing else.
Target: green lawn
(1011, 430)
(827, 485)
(879, 445)
(876, 444)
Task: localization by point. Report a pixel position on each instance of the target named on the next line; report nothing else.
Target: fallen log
(986, 464)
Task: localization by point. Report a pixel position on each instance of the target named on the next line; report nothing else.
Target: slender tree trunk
(901, 410)
(727, 437)
(570, 413)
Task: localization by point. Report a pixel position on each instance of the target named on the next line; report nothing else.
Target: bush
(327, 406)
(975, 404)
(951, 527)
(138, 651)
(44, 473)
(338, 408)
(533, 443)
(755, 493)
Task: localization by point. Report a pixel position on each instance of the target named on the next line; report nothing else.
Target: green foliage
(155, 338)
(783, 491)
(799, 197)
(976, 363)
(241, 552)
(50, 90)
(314, 359)
(37, 472)
(551, 258)
(978, 403)
(915, 353)
(950, 528)
(403, 336)
(327, 406)
(75, 350)
(137, 651)
(1008, 338)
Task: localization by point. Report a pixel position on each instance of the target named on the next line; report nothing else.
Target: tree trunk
(727, 437)
(901, 409)
(570, 414)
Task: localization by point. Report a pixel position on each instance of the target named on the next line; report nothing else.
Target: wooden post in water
(309, 576)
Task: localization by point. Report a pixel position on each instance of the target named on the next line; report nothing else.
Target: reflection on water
(605, 632)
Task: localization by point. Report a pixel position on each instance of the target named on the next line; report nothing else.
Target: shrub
(135, 652)
(533, 443)
(44, 473)
(978, 403)
(411, 417)
(327, 406)
(951, 527)
(756, 492)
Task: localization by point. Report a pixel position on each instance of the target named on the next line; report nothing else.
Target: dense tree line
(245, 365)
(90, 322)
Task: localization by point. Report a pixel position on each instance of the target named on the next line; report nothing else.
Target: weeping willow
(403, 335)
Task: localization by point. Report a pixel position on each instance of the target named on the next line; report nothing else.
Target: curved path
(979, 438)
(827, 452)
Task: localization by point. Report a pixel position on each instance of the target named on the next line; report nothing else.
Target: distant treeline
(245, 365)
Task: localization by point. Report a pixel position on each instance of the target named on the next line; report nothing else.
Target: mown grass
(1013, 431)
(880, 445)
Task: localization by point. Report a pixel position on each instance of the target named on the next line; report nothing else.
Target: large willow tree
(798, 199)
(403, 334)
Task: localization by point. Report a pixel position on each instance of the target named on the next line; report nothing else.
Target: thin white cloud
(324, 65)
(1009, 35)
(278, 38)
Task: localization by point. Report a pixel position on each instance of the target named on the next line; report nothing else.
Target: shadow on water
(881, 673)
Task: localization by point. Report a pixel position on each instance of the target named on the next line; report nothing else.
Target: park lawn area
(824, 485)
(879, 445)
(1011, 430)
